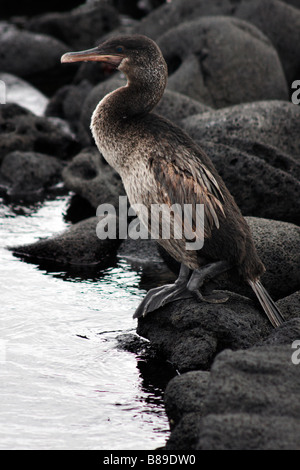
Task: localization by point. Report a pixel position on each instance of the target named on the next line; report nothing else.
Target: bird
(160, 164)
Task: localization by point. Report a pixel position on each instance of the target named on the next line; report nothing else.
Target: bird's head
(135, 55)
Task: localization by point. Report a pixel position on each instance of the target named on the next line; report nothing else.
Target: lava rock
(40, 64)
(280, 23)
(22, 93)
(276, 123)
(78, 245)
(252, 401)
(176, 12)
(92, 179)
(22, 130)
(67, 103)
(276, 20)
(185, 394)
(79, 28)
(255, 148)
(189, 334)
(222, 76)
(23, 173)
(260, 177)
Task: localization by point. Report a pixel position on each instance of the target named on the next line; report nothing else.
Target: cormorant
(160, 164)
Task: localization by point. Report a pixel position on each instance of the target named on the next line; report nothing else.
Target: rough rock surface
(22, 173)
(248, 401)
(79, 28)
(22, 130)
(197, 64)
(91, 178)
(78, 245)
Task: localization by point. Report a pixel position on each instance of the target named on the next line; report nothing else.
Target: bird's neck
(117, 117)
(138, 97)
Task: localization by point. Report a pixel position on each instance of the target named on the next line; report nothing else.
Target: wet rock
(88, 176)
(40, 65)
(185, 394)
(252, 401)
(197, 63)
(22, 93)
(78, 245)
(189, 333)
(22, 130)
(79, 28)
(24, 173)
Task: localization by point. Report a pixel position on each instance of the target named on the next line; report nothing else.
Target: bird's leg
(208, 272)
(160, 296)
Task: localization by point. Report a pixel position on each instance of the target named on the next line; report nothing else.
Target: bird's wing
(188, 181)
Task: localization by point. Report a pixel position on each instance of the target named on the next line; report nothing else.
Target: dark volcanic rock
(260, 177)
(255, 148)
(252, 401)
(67, 103)
(92, 179)
(189, 333)
(281, 24)
(79, 28)
(277, 20)
(22, 130)
(22, 173)
(221, 76)
(33, 56)
(247, 401)
(176, 12)
(78, 245)
(276, 123)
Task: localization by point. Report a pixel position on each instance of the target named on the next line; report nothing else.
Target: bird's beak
(93, 55)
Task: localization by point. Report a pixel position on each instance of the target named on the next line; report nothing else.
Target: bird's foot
(160, 296)
(212, 298)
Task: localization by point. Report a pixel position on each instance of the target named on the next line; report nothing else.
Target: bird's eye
(120, 49)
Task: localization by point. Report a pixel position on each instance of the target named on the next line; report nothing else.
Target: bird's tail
(269, 306)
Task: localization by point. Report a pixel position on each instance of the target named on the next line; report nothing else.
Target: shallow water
(65, 384)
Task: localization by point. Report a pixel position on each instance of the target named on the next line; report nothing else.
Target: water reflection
(76, 375)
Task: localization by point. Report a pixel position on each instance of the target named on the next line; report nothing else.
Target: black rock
(25, 173)
(40, 64)
(79, 28)
(245, 68)
(252, 401)
(22, 130)
(78, 245)
(280, 23)
(189, 334)
(92, 179)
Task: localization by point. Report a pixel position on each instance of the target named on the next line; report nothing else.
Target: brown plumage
(160, 164)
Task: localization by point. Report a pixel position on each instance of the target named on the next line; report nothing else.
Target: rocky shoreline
(231, 67)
